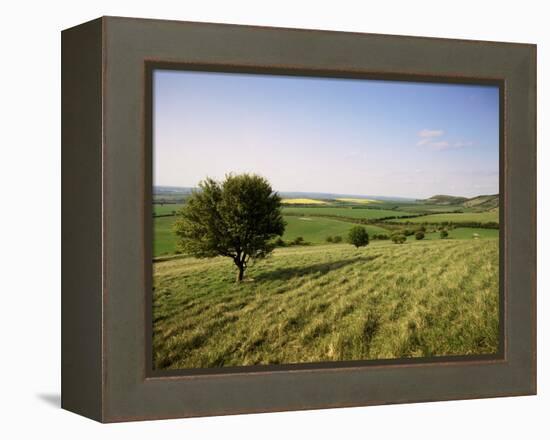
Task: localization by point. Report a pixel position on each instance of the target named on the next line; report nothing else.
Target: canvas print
(312, 219)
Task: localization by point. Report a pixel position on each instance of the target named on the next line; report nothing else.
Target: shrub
(298, 241)
(329, 239)
(419, 235)
(398, 238)
(279, 242)
(337, 239)
(358, 236)
(443, 233)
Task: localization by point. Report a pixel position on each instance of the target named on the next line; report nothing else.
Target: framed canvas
(264, 219)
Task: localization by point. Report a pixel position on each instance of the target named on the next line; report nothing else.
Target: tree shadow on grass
(286, 273)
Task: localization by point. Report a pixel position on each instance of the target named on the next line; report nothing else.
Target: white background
(30, 218)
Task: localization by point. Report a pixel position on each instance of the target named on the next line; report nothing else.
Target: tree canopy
(237, 218)
(358, 236)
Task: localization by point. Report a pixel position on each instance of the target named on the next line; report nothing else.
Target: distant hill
(484, 203)
(445, 200)
(478, 203)
(173, 191)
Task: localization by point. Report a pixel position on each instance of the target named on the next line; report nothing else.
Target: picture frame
(106, 219)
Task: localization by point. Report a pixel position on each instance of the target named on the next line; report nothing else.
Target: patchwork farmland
(321, 298)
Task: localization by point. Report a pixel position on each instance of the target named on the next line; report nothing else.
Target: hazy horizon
(324, 135)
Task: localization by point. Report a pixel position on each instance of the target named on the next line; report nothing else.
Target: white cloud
(430, 133)
(431, 139)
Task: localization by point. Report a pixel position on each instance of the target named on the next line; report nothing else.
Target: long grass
(327, 303)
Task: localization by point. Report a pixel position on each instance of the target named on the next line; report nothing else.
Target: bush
(380, 237)
(279, 242)
(337, 239)
(298, 241)
(329, 239)
(443, 233)
(419, 235)
(398, 238)
(358, 236)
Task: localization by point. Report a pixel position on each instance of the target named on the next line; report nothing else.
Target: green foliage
(337, 239)
(398, 238)
(280, 242)
(443, 233)
(329, 239)
(419, 235)
(358, 236)
(237, 218)
(298, 241)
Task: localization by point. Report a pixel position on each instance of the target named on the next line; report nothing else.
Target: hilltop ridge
(478, 203)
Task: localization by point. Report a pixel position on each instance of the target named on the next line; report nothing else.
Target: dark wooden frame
(106, 248)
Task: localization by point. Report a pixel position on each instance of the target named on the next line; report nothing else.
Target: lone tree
(358, 236)
(237, 218)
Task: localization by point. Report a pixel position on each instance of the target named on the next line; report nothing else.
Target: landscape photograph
(313, 219)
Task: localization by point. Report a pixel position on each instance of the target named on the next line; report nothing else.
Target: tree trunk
(240, 273)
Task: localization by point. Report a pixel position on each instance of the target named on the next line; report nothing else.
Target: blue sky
(343, 136)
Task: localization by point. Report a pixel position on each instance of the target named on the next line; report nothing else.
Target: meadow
(315, 222)
(328, 303)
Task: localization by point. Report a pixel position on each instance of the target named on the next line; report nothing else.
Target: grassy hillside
(483, 203)
(332, 302)
(445, 200)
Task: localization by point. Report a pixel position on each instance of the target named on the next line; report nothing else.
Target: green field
(164, 241)
(463, 234)
(481, 217)
(166, 209)
(421, 208)
(313, 230)
(327, 303)
(316, 229)
(350, 212)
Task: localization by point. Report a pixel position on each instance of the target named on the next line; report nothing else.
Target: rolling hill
(477, 204)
